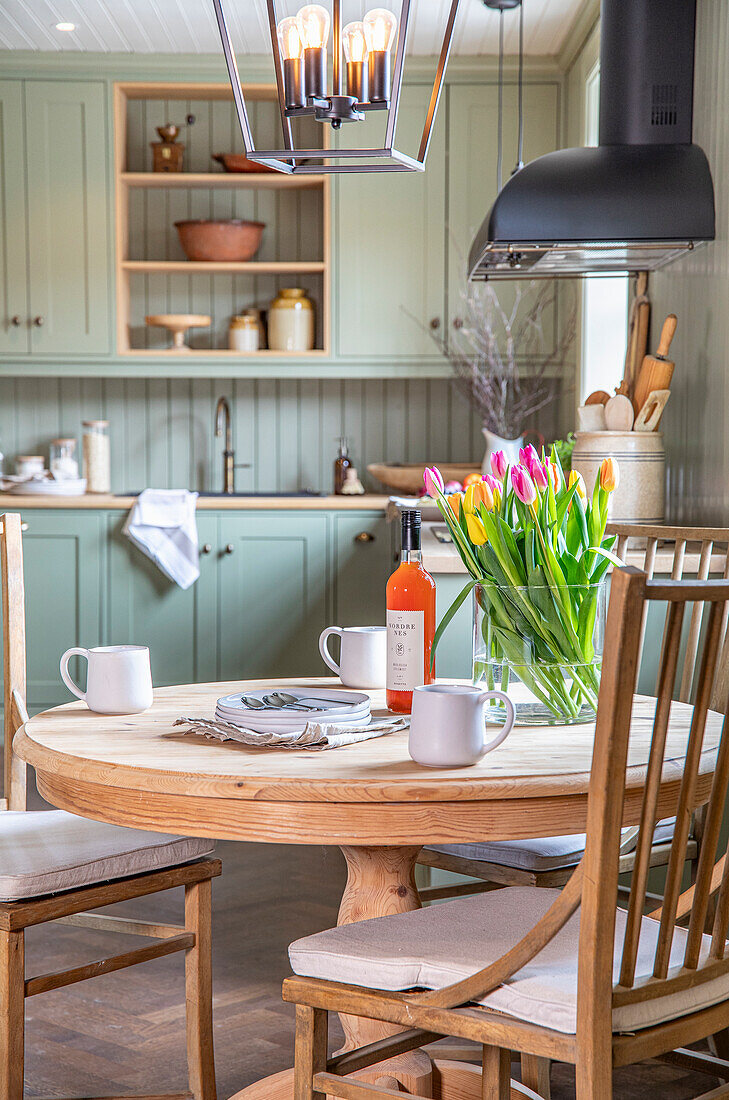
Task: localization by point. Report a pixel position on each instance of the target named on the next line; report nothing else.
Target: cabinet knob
(15, 321)
(435, 323)
(364, 536)
(458, 322)
(230, 549)
(206, 549)
(39, 321)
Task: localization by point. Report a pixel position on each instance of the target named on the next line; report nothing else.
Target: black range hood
(641, 198)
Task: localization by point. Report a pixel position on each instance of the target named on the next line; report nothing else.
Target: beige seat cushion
(48, 851)
(434, 947)
(543, 854)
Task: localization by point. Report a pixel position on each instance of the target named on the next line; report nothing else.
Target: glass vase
(543, 646)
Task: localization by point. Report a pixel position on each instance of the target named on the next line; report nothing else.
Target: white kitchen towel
(316, 735)
(162, 524)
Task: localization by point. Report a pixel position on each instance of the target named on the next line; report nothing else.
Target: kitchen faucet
(222, 417)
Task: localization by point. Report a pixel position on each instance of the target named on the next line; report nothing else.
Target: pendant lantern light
(368, 59)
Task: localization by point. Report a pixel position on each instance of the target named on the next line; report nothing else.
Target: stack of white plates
(350, 708)
(73, 487)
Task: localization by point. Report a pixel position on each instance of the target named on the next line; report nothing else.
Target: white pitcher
(119, 679)
(448, 725)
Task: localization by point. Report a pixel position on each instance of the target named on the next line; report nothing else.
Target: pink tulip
(433, 481)
(540, 476)
(529, 457)
(493, 483)
(499, 464)
(523, 484)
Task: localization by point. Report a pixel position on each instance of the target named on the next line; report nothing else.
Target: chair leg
(311, 1050)
(496, 1074)
(12, 1014)
(535, 1074)
(594, 1078)
(199, 992)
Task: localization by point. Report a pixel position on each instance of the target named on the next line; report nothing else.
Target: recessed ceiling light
(65, 26)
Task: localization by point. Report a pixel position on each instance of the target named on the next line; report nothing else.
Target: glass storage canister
(63, 461)
(244, 333)
(291, 321)
(97, 456)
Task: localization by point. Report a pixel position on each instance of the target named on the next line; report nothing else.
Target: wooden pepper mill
(168, 153)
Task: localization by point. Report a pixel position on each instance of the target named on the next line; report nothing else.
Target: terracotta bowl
(238, 162)
(232, 241)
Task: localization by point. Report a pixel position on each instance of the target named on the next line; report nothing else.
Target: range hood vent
(641, 198)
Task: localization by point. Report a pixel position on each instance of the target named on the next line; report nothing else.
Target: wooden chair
(55, 866)
(608, 986)
(550, 861)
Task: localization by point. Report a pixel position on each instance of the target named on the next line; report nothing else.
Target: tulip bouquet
(534, 545)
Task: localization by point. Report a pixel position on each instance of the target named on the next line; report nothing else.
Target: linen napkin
(162, 525)
(316, 735)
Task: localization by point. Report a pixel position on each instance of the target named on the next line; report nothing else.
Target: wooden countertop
(14, 502)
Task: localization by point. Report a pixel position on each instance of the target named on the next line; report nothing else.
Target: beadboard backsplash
(162, 430)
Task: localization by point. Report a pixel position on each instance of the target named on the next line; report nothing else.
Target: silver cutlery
(290, 699)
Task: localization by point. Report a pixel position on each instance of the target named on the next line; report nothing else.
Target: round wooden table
(371, 799)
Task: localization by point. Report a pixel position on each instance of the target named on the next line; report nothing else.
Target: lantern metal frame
(337, 108)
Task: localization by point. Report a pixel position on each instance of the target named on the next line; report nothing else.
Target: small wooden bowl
(408, 477)
(231, 241)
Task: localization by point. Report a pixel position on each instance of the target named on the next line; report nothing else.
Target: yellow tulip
(477, 494)
(578, 480)
(476, 531)
(609, 475)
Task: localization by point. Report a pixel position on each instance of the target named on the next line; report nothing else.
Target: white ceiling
(188, 26)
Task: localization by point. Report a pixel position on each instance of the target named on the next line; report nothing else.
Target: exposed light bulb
(313, 21)
(289, 39)
(379, 30)
(354, 42)
(68, 27)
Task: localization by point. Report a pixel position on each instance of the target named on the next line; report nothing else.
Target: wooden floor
(124, 1032)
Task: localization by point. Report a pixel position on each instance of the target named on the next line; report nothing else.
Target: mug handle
(324, 648)
(508, 724)
(66, 676)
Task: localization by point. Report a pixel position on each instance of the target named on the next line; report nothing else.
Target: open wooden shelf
(225, 353)
(297, 216)
(222, 180)
(212, 267)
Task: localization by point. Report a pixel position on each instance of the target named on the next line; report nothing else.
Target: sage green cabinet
(362, 563)
(13, 253)
(64, 596)
(273, 594)
(54, 218)
(390, 244)
(146, 608)
(473, 124)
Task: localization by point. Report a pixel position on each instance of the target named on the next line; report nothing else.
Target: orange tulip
(477, 494)
(609, 475)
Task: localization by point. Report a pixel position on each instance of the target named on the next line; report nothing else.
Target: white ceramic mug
(119, 679)
(447, 726)
(363, 655)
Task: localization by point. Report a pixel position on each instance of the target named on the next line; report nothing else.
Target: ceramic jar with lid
(243, 333)
(291, 321)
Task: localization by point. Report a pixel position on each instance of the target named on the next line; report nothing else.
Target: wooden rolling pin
(657, 370)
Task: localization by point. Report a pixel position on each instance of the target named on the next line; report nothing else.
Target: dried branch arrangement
(500, 360)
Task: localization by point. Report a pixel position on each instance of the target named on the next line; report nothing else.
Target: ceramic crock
(291, 321)
(641, 457)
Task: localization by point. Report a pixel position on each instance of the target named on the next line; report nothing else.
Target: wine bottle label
(405, 649)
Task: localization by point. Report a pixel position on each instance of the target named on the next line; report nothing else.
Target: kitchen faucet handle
(242, 465)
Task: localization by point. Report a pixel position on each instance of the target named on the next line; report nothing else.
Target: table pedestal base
(381, 882)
